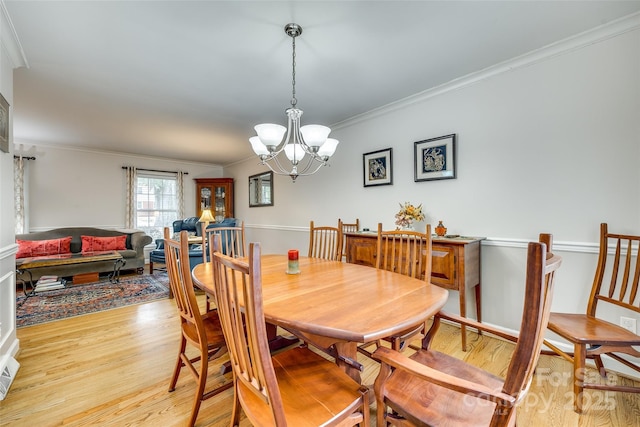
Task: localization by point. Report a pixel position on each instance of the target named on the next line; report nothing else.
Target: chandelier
(296, 141)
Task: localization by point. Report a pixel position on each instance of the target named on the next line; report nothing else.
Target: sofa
(191, 225)
(131, 247)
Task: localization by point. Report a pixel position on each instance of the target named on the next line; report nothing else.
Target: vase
(441, 230)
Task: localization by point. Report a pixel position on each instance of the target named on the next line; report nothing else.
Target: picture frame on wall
(378, 167)
(4, 124)
(435, 158)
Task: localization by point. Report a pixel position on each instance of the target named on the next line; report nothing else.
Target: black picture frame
(4, 124)
(435, 158)
(377, 168)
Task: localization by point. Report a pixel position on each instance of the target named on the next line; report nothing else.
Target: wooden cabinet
(455, 265)
(215, 194)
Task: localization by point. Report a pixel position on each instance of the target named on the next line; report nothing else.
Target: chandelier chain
(294, 101)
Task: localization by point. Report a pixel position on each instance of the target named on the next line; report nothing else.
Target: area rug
(75, 300)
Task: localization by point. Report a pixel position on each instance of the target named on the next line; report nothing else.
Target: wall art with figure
(378, 168)
(435, 158)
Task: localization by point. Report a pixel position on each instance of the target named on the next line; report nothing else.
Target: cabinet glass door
(219, 206)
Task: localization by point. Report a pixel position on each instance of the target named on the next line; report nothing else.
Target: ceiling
(188, 80)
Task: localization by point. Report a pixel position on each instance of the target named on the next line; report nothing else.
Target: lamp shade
(206, 216)
(294, 152)
(314, 135)
(270, 134)
(258, 147)
(328, 148)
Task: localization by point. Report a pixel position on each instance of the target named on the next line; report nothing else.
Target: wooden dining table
(336, 306)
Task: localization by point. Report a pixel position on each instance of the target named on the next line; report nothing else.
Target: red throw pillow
(99, 244)
(29, 248)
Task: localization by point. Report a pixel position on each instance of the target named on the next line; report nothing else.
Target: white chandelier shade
(297, 142)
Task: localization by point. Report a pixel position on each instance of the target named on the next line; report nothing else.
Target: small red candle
(292, 265)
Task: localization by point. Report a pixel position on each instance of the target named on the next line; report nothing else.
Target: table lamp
(206, 217)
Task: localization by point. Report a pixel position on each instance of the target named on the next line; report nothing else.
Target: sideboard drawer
(361, 250)
(443, 266)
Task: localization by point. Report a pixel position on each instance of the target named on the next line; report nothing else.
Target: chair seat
(313, 390)
(212, 327)
(590, 330)
(436, 405)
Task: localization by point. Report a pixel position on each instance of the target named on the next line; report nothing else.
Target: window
(156, 203)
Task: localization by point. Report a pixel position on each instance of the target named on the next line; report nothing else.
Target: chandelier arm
(282, 169)
(305, 173)
(310, 162)
(279, 171)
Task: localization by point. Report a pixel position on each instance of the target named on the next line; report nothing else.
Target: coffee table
(25, 265)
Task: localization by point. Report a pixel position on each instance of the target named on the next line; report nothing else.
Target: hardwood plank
(113, 368)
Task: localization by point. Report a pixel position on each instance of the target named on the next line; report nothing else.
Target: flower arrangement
(407, 214)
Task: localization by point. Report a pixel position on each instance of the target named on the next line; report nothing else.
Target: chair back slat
(634, 285)
(405, 252)
(238, 285)
(350, 227)
(179, 272)
(325, 242)
(232, 241)
(619, 272)
(540, 275)
(353, 227)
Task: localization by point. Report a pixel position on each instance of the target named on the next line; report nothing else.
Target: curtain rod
(155, 170)
(24, 157)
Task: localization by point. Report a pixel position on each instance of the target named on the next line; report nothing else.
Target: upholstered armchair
(190, 224)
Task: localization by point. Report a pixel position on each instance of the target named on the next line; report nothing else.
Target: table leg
(276, 342)
(32, 292)
(348, 351)
(114, 277)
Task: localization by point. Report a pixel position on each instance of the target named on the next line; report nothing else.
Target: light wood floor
(113, 368)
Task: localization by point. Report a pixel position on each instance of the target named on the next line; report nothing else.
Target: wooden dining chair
(432, 388)
(232, 243)
(294, 387)
(348, 228)
(407, 253)
(616, 284)
(325, 242)
(202, 331)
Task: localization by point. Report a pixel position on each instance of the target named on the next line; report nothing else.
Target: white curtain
(18, 191)
(130, 213)
(180, 194)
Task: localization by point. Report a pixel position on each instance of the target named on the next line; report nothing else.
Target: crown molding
(9, 39)
(579, 41)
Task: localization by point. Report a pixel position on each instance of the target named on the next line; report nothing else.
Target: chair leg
(235, 412)
(176, 371)
(579, 354)
(600, 366)
(202, 381)
(381, 407)
(150, 267)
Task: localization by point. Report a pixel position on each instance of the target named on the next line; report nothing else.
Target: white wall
(546, 143)
(77, 187)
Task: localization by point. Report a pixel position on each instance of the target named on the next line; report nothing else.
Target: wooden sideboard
(455, 265)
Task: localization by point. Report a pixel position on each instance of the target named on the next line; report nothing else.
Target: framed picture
(435, 158)
(378, 167)
(4, 124)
